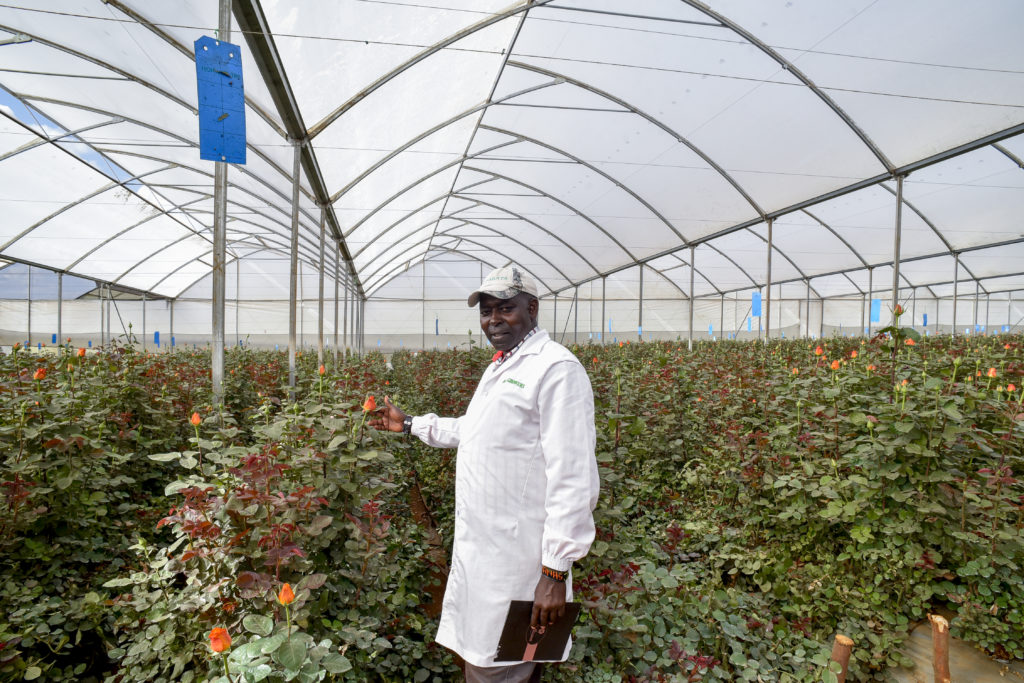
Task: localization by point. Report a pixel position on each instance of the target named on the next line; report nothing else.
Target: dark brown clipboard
(517, 636)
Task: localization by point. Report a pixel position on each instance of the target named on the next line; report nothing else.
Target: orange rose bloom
(909, 342)
(898, 310)
(220, 640)
(322, 370)
(39, 374)
(991, 372)
(872, 367)
(818, 351)
(369, 404)
(835, 365)
(195, 419)
(796, 371)
(81, 352)
(286, 596)
(853, 354)
(1011, 388)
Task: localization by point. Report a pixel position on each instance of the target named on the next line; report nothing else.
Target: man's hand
(387, 418)
(548, 602)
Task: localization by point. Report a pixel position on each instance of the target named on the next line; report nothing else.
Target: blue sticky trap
(609, 325)
(276, 347)
(755, 305)
(876, 310)
(1006, 328)
(221, 101)
(711, 331)
(615, 340)
(867, 330)
(39, 346)
(172, 342)
(378, 342)
(590, 336)
(90, 343)
(435, 327)
(54, 341)
(749, 326)
(640, 330)
(924, 318)
(156, 338)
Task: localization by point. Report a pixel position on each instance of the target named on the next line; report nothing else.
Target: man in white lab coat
(526, 479)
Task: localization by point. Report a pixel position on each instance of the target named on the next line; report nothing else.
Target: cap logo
(517, 279)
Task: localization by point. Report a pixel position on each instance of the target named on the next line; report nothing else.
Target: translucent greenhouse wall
(255, 315)
(425, 308)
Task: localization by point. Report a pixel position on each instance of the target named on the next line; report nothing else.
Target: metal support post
(423, 307)
(871, 293)
(1009, 310)
(576, 315)
(988, 303)
(60, 307)
(896, 248)
(976, 288)
(337, 274)
(99, 292)
(956, 284)
(554, 323)
(640, 307)
(913, 307)
(293, 274)
(768, 286)
(721, 319)
(302, 310)
(821, 321)
(28, 334)
(238, 302)
(345, 312)
(171, 340)
(808, 307)
(220, 217)
(689, 333)
(320, 301)
(863, 306)
(604, 320)
(143, 322)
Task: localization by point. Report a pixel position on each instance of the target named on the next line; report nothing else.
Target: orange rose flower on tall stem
(40, 374)
(220, 641)
(285, 596)
(196, 420)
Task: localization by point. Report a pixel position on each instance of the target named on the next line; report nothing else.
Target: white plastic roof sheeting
(576, 138)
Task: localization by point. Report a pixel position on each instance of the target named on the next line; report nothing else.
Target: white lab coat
(526, 484)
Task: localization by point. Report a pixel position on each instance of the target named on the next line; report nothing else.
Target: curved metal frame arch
(321, 125)
(653, 121)
(387, 276)
(367, 172)
(465, 221)
(435, 250)
(174, 136)
(562, 202)
(792, 68)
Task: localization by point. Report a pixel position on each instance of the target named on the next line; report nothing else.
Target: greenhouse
(784, 238)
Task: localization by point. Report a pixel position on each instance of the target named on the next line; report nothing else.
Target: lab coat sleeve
(441, 432)
(566, 405)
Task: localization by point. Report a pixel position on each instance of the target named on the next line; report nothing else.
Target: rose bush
(756, 500)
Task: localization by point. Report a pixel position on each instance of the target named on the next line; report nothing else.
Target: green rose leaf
(259, 624)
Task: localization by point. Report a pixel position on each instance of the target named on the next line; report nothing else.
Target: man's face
(507, 321)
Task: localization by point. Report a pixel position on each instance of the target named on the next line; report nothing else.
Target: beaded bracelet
(554, 574)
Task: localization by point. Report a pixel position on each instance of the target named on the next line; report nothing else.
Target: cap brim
(474, 298)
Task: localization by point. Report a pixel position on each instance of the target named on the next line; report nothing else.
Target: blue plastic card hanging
(221, 101)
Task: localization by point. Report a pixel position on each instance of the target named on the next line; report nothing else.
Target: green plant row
(756, 500)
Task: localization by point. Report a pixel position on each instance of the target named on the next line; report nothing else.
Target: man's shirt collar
(502, 356)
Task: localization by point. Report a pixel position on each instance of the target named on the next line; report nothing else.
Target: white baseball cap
(504, 283)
